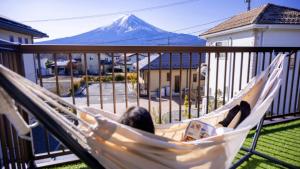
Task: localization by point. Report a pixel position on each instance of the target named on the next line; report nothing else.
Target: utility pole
(249, 4)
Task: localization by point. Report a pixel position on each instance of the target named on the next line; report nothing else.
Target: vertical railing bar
(5, 62)
(1, 60)
(286, 83)
(199, 85)
(256, 63)
(225, 77)
(100, 80)
(263, 61)
(292, 81)
(241, 70)
(9, 143)
(170, 97)
(207, 80)
(279, 98)
(233, 71)
(72, 80)
(126, 87)
(21, 143)
(148, 84)
(3, 142)
(249, 60)
(16, 68)
(297, 86)
(35, 68)
(10, 64)
(190, 84)
(180, 87)
(113, 82)
(159, 84)
(272, 105)
(138, 80)
(46, 136)
(56, 74)
(40, 69)
(16, 147)
(217, 79)
(86, 80)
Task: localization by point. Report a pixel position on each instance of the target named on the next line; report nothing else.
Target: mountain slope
(129, 30)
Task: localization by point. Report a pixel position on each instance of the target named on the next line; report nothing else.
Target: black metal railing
(173, 83)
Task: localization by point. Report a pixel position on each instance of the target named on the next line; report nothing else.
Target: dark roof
(14, 26)
(165, 61)
(266, 14)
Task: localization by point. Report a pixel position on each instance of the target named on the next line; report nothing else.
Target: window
(220, 55)
(194, 77)
(26, 40)
(168, 77)
(11, 38)
(19, 39)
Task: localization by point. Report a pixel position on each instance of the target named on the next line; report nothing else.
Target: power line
(114, 13)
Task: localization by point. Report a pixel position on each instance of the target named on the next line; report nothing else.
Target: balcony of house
(173, 83)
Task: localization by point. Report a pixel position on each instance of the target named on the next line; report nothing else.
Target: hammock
(97, 139)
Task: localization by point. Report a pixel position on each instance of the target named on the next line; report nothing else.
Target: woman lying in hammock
(140, 118)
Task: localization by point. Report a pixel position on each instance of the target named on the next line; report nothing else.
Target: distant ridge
(129, 30)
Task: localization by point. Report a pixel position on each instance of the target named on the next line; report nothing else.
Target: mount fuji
(129, 30)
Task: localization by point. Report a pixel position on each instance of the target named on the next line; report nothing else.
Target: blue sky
(171, 18)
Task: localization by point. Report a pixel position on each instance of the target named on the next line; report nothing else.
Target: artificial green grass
(281, 141)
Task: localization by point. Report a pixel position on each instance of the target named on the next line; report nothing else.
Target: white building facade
(279, 32)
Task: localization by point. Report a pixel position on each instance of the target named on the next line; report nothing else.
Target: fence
(173, 83)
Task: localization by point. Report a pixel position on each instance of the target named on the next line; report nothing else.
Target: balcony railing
(173, 83)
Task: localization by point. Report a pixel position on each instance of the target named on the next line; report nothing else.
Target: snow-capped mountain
(129, 30)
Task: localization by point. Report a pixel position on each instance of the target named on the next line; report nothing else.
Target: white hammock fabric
(117, 146)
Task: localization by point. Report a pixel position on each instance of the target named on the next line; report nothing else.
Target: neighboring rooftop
(165, 61)
(266, 14)
(14, 26)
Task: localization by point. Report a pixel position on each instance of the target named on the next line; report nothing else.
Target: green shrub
(106, 78)
(119, 77)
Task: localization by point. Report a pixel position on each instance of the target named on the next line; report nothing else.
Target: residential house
(166, 76)
(15, 32)
(268, 25)
(105, 61)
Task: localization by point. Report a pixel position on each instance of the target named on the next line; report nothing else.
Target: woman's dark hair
(139, 118)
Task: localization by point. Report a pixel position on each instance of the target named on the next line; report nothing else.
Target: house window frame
(168, 76)
(220, 55)
(26, 41)
(11, 38)
(195, 77)
(20, 40)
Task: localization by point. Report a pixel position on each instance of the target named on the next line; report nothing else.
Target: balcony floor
(281, 141)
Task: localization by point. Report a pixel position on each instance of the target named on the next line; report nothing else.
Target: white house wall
(285, 38)
(237, 39)
(274, 38)
(4, 34)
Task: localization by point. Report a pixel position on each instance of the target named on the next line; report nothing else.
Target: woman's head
(139, 118)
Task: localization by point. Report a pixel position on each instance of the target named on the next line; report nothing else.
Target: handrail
(155, 49)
